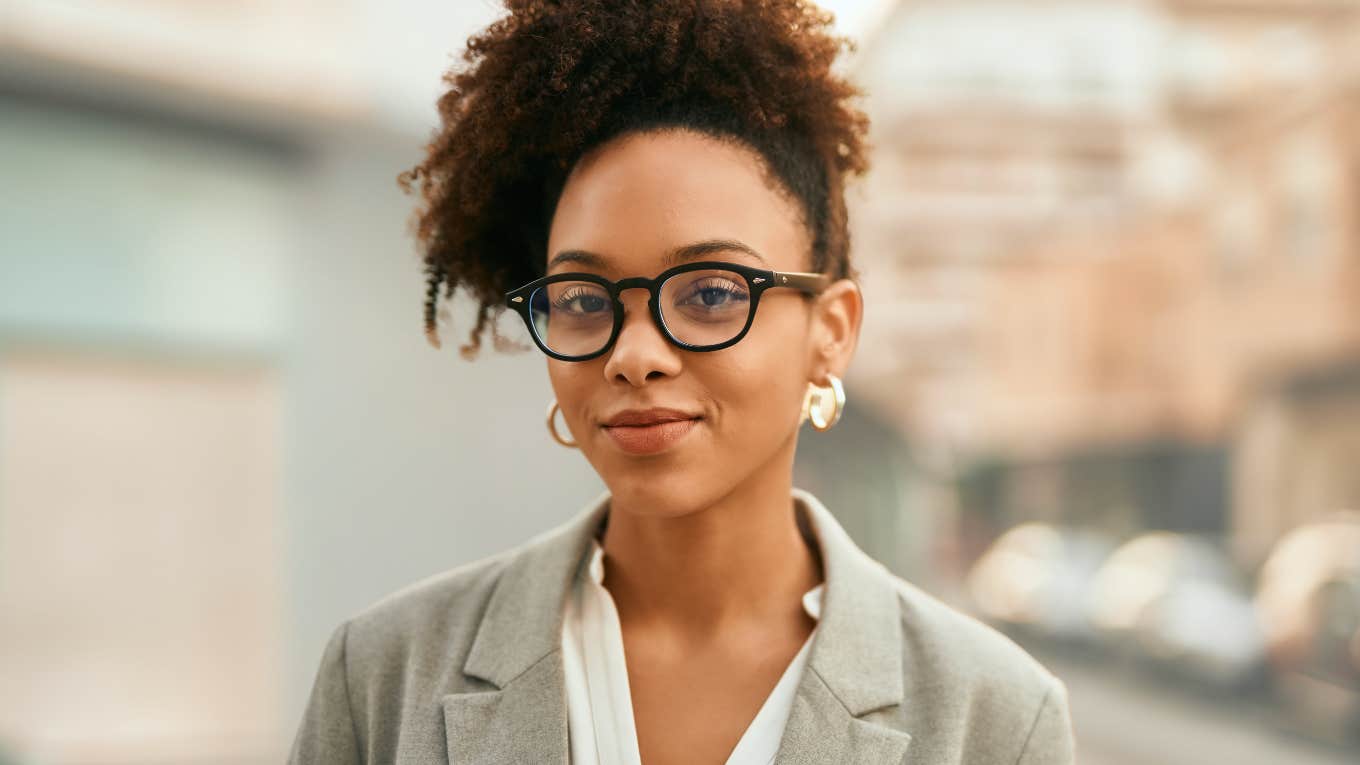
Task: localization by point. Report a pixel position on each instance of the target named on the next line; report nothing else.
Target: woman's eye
(581, 303)
(716, 295)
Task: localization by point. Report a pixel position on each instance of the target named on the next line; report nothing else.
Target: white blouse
(599, 705)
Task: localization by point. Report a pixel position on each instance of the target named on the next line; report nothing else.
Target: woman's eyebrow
(577, 256)
(682, 254)
(707, 247)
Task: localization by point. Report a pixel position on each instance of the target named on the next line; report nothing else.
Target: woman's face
(631, 202)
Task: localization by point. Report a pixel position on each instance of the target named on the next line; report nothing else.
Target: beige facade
(1110, 292)
(1119, 267)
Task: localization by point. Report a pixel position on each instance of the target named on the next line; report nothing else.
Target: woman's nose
(640, 350)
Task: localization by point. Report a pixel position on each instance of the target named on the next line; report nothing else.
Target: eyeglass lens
(699, 308)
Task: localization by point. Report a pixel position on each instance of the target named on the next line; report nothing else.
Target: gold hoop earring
(815, 400)
(552, 426)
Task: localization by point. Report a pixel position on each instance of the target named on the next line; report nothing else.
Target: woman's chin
(658, 497)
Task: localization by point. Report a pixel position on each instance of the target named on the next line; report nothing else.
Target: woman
(635, 180)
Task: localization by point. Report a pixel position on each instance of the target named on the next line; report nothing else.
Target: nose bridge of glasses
(642, 283)
(634, 282)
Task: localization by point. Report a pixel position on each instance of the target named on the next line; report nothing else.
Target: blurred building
(1090, 266)
(993, 125)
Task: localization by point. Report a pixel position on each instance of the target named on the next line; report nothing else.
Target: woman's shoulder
(962, 646)
(439, 616)
(439, 595)
(983, 687)
(424, 623)
(393, 660)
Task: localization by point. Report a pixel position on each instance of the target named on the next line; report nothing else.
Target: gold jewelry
(815, 400)
(552, 426)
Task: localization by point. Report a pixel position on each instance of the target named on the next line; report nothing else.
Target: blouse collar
(812, 599)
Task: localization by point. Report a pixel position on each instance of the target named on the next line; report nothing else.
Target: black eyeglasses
(707, 305)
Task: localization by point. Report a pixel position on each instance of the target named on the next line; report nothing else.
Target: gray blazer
(466, 667)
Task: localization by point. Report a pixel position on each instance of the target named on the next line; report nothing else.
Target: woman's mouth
(652, 438)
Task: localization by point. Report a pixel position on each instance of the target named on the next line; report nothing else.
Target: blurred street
(1122, 717)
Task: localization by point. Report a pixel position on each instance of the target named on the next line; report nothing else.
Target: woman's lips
(649, 439)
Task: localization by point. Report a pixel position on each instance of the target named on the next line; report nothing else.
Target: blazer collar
(855, 663)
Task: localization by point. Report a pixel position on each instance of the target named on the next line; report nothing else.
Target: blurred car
(1178, 599)
(1308, 598)
(1034, 577)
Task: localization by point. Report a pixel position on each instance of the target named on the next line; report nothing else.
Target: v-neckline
(602, 645)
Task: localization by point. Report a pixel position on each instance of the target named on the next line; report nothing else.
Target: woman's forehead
(637, 201)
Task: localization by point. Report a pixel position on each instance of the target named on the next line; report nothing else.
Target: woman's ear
(837, 316)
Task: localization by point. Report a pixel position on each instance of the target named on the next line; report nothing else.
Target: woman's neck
(741, 559)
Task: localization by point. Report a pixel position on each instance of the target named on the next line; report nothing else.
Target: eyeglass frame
(757, 281)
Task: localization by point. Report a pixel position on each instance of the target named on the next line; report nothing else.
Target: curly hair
(555, 78)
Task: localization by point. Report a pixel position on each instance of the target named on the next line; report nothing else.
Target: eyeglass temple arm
(807, 282)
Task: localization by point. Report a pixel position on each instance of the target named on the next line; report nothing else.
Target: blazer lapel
(523, 717)
(821, 730)
(524, 722)
(854, 671)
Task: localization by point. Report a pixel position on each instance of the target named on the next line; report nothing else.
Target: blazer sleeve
(1050, 740)
(327, 732)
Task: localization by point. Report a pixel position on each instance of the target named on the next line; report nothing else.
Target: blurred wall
(159, 245)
